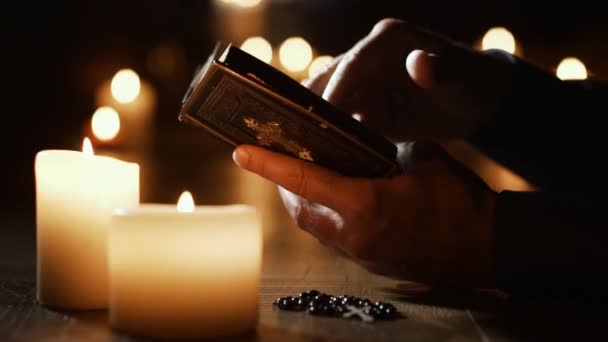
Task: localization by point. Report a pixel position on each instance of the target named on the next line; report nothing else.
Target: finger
(318, 81)
(398, 37)
(303, 178)
(340, 87)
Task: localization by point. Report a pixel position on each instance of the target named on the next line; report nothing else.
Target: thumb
(430, 71)
(419, 65)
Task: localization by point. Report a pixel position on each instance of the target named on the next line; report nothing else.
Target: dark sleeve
(548, 130)
(550, 243)
(551, 133)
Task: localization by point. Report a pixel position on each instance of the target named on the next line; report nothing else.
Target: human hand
(410, 84)
(431, 224)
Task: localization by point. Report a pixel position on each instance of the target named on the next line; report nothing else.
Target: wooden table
(294, 262)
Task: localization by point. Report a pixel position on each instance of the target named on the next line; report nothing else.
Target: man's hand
(431, 224)
(410, 84)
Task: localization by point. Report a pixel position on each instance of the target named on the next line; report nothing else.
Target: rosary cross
(362, 313)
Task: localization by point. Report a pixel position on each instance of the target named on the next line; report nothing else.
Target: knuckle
(350, 57)
(349, 63)
(388, 25)
(308, 220)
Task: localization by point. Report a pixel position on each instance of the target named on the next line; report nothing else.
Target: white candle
(76, 193)
(185, 272)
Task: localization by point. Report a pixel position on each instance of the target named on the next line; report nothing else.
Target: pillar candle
(76, 193)
(185, 271)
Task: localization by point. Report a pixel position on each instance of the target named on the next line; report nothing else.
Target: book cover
(243, 100)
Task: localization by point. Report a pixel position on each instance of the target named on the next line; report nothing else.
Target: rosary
(322, 304)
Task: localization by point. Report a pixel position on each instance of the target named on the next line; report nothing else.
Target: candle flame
(87, 148)
(185, 204)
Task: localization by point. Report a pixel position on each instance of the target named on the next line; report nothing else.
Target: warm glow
(571, 69)
(317, 64)
(125, 86)
(185, 204)
(247, 3)
(258, 47)
(295, 54)
(498, 38)
(105, 123)
(87, 148)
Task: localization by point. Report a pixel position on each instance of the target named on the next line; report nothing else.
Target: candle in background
(236, 20)
(76, 193)
(135, 101)
(242, 3)
(105, 126)
(295, 54)
(185, 271)
(500, 38)
(259, 48)
(571, 68)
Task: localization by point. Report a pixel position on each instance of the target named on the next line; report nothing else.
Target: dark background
(57, 53)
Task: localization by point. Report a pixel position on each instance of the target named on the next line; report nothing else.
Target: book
(242, 100)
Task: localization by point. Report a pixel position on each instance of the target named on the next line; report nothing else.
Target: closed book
(242, 100)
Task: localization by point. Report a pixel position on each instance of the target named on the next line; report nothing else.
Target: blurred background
(116, 71)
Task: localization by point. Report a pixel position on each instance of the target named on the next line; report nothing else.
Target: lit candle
(76, 193)
(185, 271)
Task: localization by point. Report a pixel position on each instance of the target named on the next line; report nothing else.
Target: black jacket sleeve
(548, 242)
(551, 133)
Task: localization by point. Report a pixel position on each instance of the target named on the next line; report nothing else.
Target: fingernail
(240, 157)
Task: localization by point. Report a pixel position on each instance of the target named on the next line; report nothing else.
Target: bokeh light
(125, 86)
(498, 38)
(258, 47)
(105, 123)
(571, 68)
(295, 54)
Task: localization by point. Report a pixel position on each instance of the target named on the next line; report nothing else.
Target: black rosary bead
(309, 294)
(321, 310)
(288, 303)
(322, 298)
(322, 304)
(348, 300)
(364, 302)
